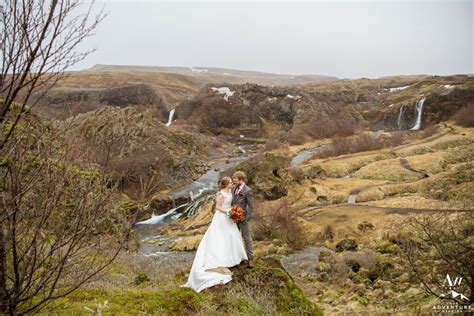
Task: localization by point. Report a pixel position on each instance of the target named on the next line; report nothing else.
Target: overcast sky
(347, 39)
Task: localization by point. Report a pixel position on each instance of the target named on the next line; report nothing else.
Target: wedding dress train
(221, 247)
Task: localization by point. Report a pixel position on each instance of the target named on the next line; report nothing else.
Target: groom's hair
(239, 175)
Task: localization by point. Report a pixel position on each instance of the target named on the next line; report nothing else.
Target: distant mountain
(223, 75)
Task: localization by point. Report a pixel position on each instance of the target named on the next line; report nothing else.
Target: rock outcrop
(64, 103)
(388, 104)
(144, 155)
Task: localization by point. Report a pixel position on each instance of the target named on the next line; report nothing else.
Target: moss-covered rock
(267, 175)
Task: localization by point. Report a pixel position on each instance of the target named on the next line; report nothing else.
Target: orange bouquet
(237, 214)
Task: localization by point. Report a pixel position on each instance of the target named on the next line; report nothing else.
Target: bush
(279, 221)
(346, 245)
(272, 144)
(296, 137)
(465, 116)
(342, 145)
(338, 126)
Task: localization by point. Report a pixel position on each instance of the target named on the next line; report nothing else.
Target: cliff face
(64, 103)
(233, 106)
(442, 100)
(389, 104)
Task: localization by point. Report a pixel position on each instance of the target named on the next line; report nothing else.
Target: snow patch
(294, 97)
(196, 70)
(448, 86)
(396, 89)
(225, 91)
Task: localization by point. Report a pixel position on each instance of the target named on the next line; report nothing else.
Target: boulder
(161, 203)
(267, 175)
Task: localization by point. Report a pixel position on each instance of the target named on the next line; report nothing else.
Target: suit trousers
(245, 230)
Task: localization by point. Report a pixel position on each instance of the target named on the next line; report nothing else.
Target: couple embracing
(221, 246)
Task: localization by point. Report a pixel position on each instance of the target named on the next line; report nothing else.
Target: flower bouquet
(236, 213)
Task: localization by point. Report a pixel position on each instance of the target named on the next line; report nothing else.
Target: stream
(153, 243)
(304, 155)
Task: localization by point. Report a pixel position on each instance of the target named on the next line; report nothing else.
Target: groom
(242, 196)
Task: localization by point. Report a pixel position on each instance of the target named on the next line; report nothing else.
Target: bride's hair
(224, 182)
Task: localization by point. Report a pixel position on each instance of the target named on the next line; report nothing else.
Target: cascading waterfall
(400, 117)
(203, 196)
(155, 219)
(170, 118)
(419, 111)
(242, 150)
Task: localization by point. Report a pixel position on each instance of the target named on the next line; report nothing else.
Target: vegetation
(265, 289)
(57, 226)
(465, 116)
(434, 245)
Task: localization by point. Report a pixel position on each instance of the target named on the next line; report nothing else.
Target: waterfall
(419, 111)
(400, 117)
(241, 149)
(155, 219)
(170, 118)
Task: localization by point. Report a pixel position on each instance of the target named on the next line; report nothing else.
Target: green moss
(140, 279)
(363, 301)
(9, 125)
(169, 302)
(266, 289)
(292, 298)
(127, 207)
(385, 247)
(245, 305)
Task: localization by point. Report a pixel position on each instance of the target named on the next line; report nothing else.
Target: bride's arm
(219, 202)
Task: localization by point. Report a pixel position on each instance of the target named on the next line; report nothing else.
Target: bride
(220, 248)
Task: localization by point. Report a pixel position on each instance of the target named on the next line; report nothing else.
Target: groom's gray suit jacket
(244, 199)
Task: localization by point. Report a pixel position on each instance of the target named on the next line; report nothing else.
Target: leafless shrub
(279, 221)
(436, 244)
(272, 144)
(337, 126)
(296, 136)
(57, 226)
(341, 146)
(465, 116)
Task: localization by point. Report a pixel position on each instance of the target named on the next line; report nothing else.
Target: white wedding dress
(221, 247)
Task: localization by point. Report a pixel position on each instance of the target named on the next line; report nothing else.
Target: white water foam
(400, 117)
(170, 118)
(419, 111)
